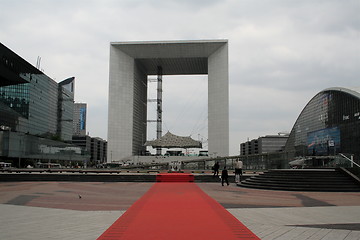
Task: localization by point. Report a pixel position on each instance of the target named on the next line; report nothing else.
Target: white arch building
(132, 62)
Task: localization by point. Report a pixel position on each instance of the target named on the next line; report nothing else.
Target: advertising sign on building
(82, 118)
(324, 142)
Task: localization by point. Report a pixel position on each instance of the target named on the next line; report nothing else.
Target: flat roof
(175, 57)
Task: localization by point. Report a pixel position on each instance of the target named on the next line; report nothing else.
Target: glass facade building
(65, 109)
(326, 130)
(328, 125)
(32, 105)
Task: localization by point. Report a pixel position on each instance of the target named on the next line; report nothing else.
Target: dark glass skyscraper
(65, 109)
(36, 112)
(42, 105)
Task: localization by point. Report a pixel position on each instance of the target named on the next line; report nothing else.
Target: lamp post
(20, 151)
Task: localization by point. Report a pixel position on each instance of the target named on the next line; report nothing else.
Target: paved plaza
(81, 210)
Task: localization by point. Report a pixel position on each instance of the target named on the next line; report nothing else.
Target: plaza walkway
(74, 210)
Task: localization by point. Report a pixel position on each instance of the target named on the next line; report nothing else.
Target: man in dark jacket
(216, 169)
(224, 177)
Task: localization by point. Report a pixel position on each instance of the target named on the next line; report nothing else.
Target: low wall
(164, 159)
(62, 177)
(97, 177)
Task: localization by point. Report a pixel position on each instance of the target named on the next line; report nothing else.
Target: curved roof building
(329, 124)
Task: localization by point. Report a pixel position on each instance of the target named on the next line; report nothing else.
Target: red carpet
(177, 211)
(175, 177)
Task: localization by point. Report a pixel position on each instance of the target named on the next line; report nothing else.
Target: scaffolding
(159, 107)
(158, 101)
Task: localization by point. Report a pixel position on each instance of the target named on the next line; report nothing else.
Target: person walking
(224, 176)
(216, 169)
(238, 170)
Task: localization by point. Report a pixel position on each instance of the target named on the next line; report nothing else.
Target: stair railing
(350, 159)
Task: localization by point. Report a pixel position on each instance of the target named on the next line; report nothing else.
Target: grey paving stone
(333, 222)
(23, 222)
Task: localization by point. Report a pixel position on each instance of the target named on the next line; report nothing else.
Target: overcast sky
(281, 53)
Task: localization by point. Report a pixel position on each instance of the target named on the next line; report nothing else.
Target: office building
(98, 150)
(262, 145)
(328, 125)
(132, 62)
(96, 147)
(36, 113)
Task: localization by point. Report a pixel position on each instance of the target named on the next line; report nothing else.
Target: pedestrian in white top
(238, 170)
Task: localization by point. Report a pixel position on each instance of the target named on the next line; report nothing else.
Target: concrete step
(303, 180)
(300, 185)
(308, 181)
(174, 177)
(295, 188)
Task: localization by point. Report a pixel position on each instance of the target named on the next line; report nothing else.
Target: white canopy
(170, 140)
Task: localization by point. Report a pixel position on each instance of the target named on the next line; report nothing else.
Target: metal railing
(352, 163)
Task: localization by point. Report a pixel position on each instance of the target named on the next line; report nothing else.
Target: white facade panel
(218, 102)
(139, 110)
(120, 119)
